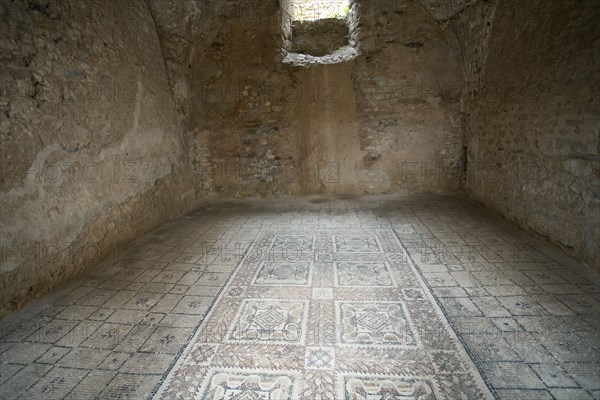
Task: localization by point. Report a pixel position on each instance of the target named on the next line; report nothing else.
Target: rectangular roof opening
(312, 10)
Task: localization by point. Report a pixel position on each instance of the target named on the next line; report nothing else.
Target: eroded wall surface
(319, 38)
(533, 127)
(90, 140)
(388, 120)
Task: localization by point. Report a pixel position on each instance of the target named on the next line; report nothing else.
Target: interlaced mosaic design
(331, 314)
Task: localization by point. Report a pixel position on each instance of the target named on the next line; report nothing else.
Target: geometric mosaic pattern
(320, 357)
(246, 385)
(336, 326)
(368, 323)
(288, 245)
(268, 321)
(284, 274)
(356, 244)
(362, 274)
(358, 387)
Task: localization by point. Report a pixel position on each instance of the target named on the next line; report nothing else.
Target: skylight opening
(317, 32)
(313, 10)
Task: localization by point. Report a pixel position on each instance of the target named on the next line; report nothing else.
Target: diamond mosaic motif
(369, 323)
(270, 321)
(372, 321)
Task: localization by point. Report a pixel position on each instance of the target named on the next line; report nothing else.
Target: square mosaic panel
(374, 324)
(259, 329)
(363, 274)
(356, 244)
(270, 321)
(293, 244)
(367, 387)
(284, 274)
(223, 384)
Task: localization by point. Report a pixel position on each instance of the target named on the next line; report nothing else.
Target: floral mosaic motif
(201, 353)
(363, 274)
(369, 323)
(356, 244)
(122, 390)
(284, 274)
(53, 385)
(270, 321)
(413, 294)
(144, 301)
(446, 363)
(236, 291)
(320, 357)
(358, 387)
(238, 385)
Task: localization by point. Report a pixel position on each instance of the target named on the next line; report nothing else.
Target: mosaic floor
(421, 297)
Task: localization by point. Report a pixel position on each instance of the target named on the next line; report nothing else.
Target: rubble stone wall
(91, 145)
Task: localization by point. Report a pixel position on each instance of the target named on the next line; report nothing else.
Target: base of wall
(113, 227)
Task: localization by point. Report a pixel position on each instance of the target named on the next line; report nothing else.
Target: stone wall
(387, 120)
(472, 27)
(408, 88)
(90, 141)
(533, 127)
(319, 38)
